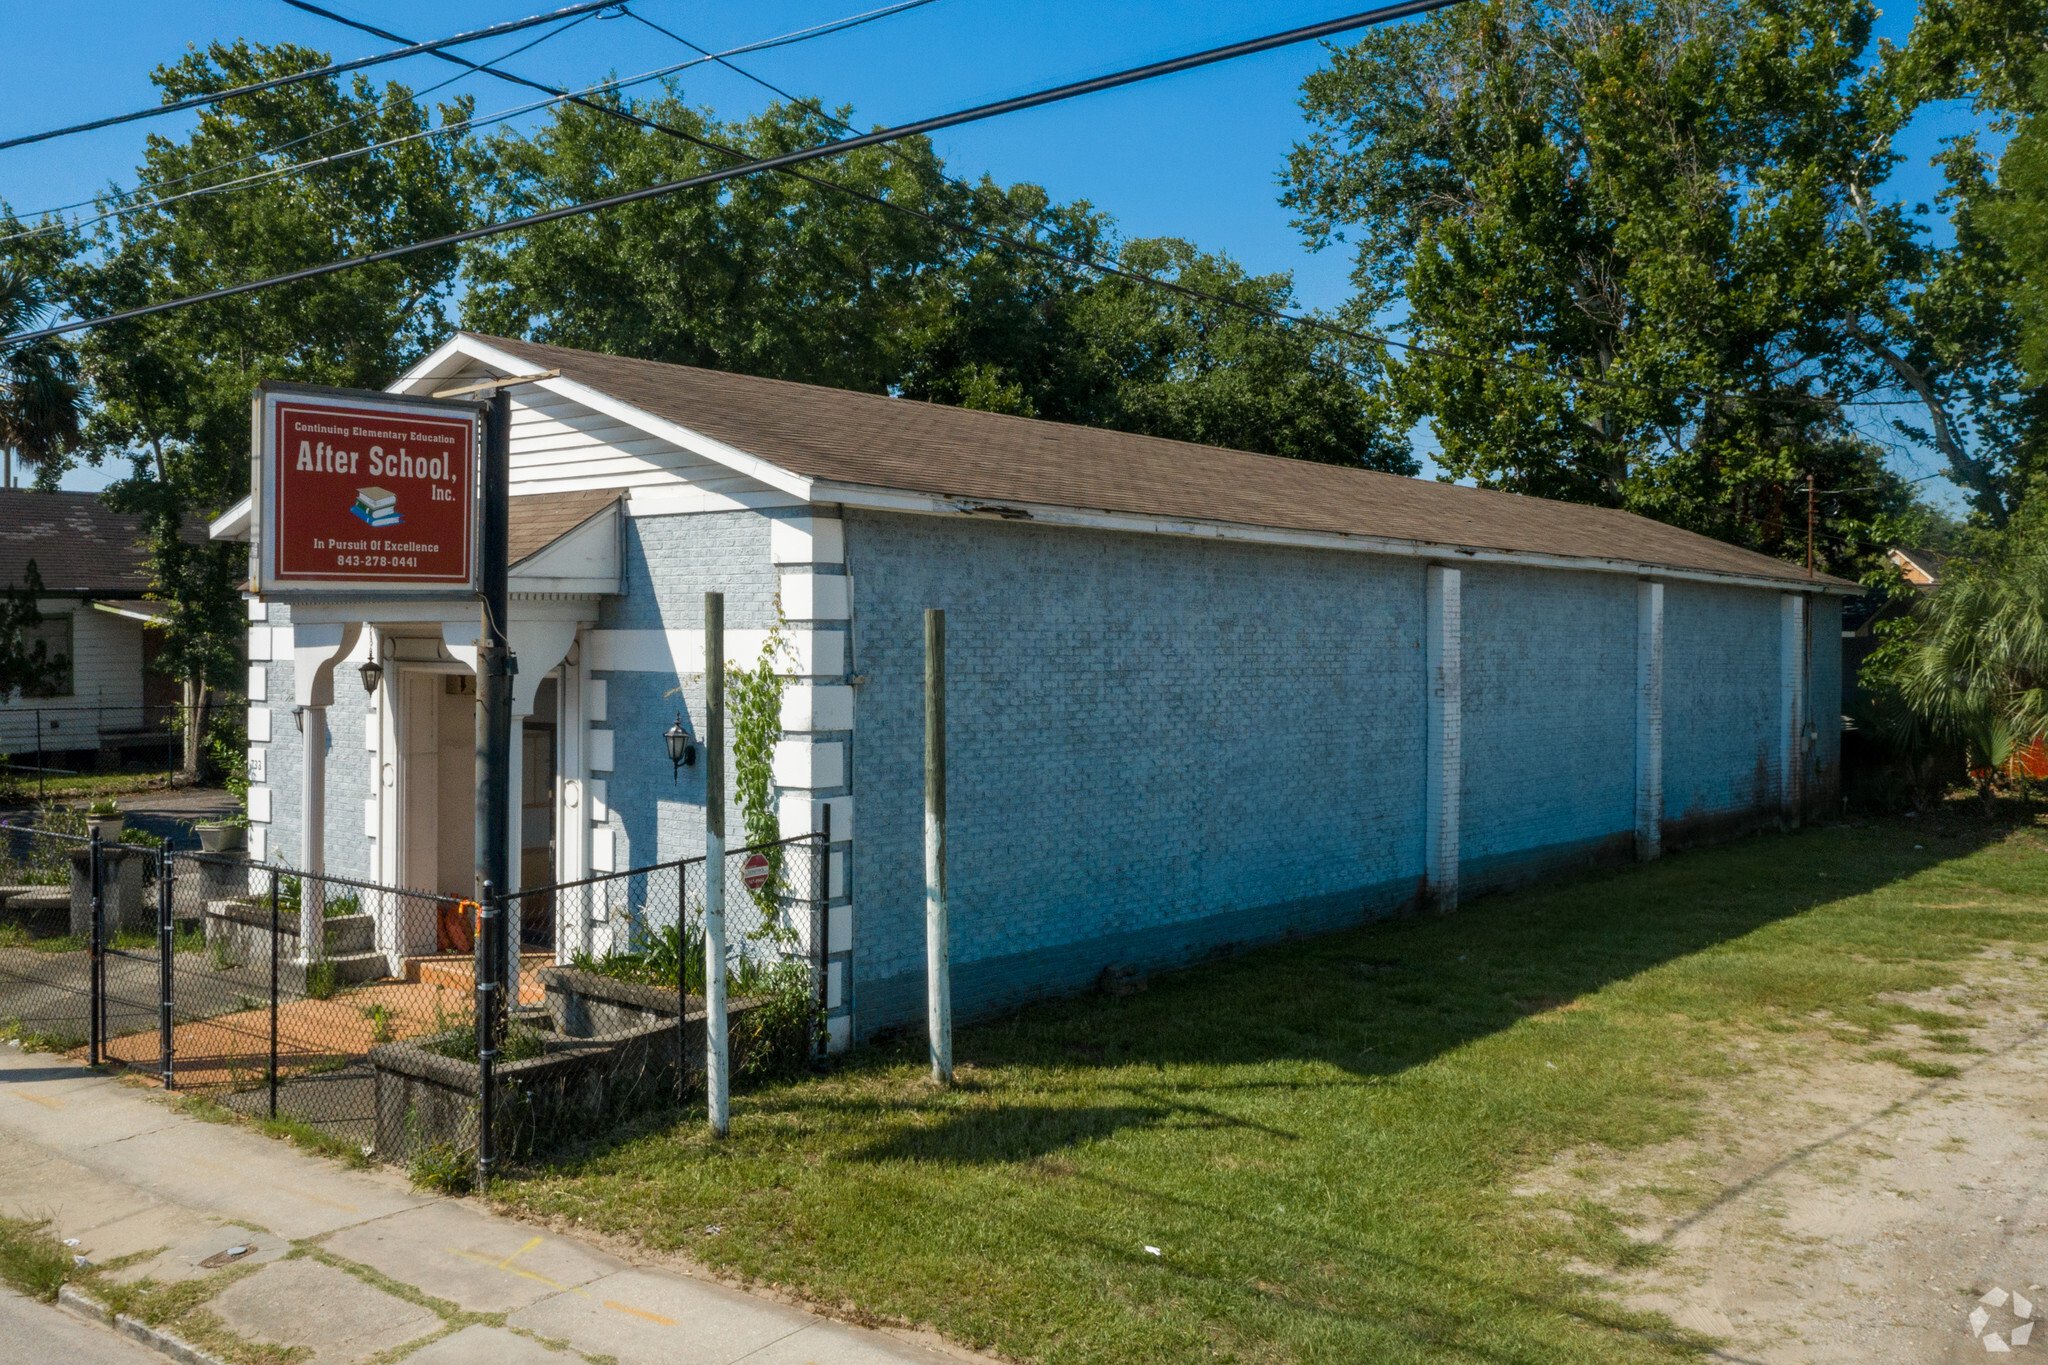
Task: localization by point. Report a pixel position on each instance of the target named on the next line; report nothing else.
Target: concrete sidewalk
(357, 1264)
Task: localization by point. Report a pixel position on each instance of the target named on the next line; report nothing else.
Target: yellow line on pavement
(517, 1254)
(640, 1313)
(506, 1266)
(43, 1100)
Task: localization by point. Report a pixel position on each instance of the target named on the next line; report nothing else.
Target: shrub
(781, 1032)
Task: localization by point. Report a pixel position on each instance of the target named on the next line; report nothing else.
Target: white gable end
(568, 439)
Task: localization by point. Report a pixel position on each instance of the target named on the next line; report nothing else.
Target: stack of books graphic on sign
(378, 506)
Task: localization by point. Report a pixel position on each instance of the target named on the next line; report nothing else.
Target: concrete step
(457, 971)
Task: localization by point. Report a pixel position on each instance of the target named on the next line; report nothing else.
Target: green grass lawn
(1321, 1137)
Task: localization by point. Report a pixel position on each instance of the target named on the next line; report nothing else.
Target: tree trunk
(196, 696)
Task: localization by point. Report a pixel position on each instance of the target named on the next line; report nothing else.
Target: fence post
(274, 931)
(716, 1080)
(821, 925)
(489, 959)
(683, 981)
(96, 964)
(166, 874)
(938, 968)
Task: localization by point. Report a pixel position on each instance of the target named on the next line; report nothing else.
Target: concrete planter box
(222, 838)
(240, 930)
(586, 1005)
(123, 871)
(582, 1086)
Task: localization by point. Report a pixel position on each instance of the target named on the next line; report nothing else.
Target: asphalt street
(34, 1333)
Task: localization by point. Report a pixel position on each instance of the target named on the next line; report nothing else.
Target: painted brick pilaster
(814, 770)
(1443, 661)
(1649, 720)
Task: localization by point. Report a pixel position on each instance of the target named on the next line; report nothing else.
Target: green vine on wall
(753, 707)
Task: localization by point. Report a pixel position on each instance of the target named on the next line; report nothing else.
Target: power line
(331, 69)
(1077, 262)
(813, 106)
(1015, 104)
(556, 96)
(348, 122)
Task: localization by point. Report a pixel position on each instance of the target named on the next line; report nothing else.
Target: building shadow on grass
(1372, 1002)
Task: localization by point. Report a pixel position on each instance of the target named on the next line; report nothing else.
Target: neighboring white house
(93, 565)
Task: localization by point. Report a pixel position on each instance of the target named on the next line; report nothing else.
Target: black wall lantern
(373, 673)
(682, 749)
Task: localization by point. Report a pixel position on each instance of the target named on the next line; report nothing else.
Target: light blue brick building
(1197, 699)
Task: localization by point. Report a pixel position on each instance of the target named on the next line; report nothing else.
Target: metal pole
(96, 965)
(165, 967)
(1809, 524)
(938, 970)
(487, 1007)
(682, 981)
(313, 834)
(717, 1082)
(821, 924)
(495, 667)
(275, 929)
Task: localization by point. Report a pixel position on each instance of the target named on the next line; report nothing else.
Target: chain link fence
(352, 1009)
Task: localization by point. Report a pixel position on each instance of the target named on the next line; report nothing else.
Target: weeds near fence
(14, 1033)
(380, 1017)
(521, 1043)
(44, 862)
(656, 962)
(777, 1039)
(323, 979)
(18, 936)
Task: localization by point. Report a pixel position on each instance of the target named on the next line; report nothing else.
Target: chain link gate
(349, 1007)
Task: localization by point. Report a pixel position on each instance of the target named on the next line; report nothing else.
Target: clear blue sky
(1195, 155)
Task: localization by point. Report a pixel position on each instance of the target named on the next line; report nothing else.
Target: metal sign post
(495, 667)
(717, 1080)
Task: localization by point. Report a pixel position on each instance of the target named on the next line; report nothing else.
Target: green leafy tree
(780, 276)
(173, 390)
(27, 667)
(1636, 248)
(1973, 329)
(41, 398)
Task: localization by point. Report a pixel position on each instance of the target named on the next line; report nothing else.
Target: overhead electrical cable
(1039, 249)
(1035, 99)
(314, 73)
(786, 162)
(474, 68)
(556, 95)
(800, 102)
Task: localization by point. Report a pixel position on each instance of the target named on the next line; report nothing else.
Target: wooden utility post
(1809, 524)
(937, 964)
(717, 1077)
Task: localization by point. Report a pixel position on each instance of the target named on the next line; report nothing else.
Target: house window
(54, 634)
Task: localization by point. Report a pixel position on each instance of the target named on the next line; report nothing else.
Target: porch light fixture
(373, 673)
(682, 750)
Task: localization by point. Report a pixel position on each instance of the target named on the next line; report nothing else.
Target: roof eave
(902, 500)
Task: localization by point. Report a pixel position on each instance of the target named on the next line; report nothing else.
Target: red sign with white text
(369, 494)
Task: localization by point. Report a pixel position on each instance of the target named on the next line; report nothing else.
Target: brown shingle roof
(538, 519)
(948, 452)
(82, 547)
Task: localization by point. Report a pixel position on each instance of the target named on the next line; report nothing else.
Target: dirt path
(1833, 1207)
